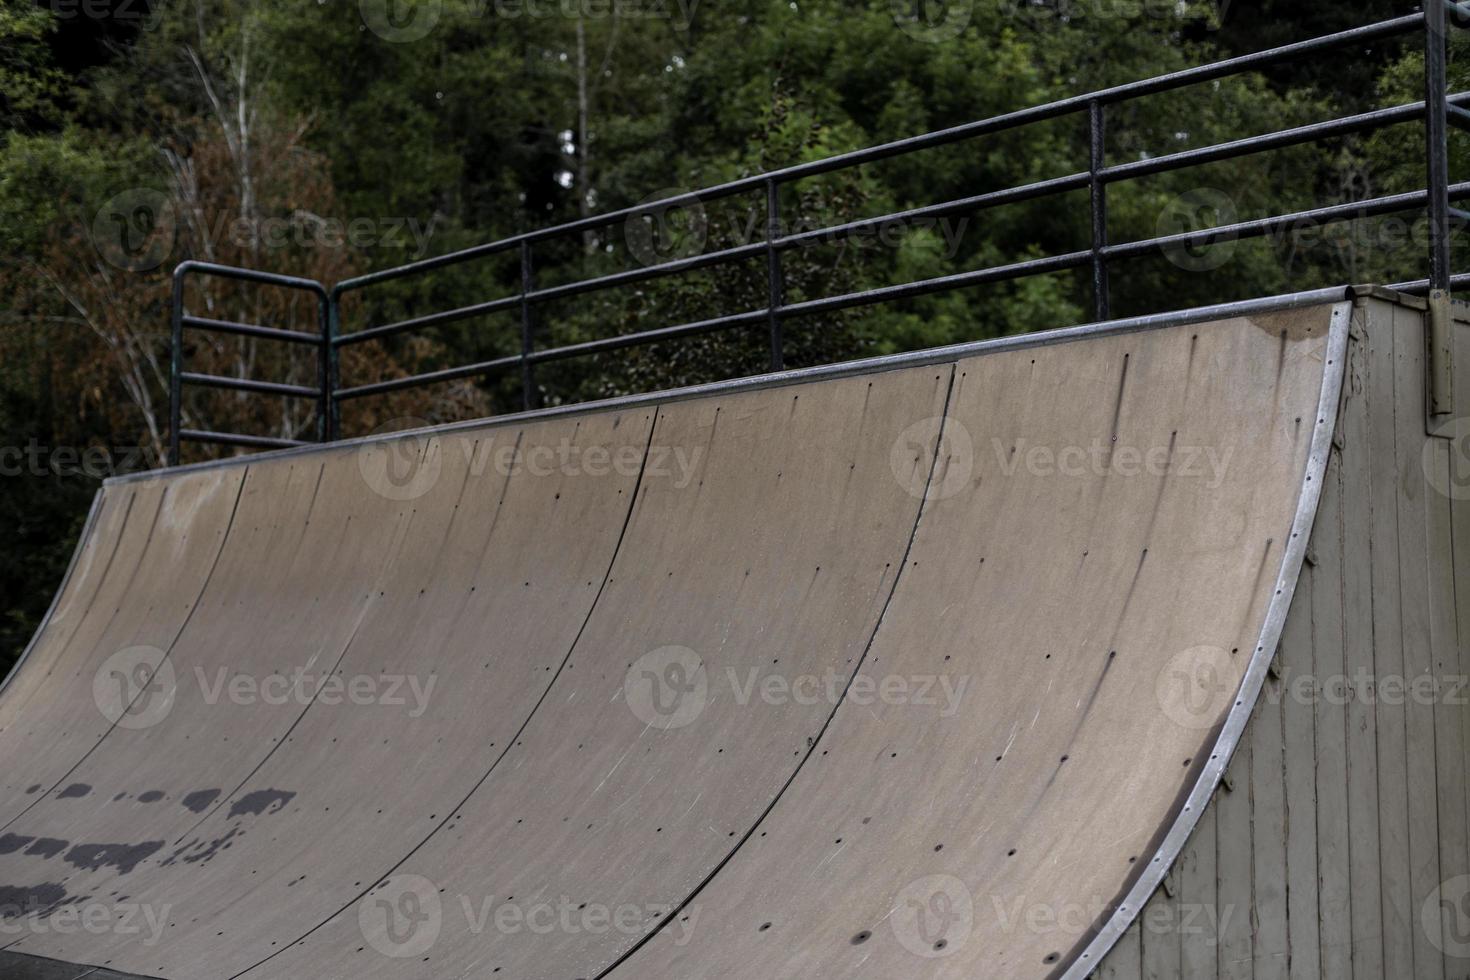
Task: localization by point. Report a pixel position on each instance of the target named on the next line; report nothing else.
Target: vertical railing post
(325, 430)
(1440, 378)
(334, 364)
(774, 289)
(176, 367)
(1436, 126)
(1098, 195)
(528, 400)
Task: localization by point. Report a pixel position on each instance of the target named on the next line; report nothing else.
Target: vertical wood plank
(1458, 463)
(1361, 714)
(1234, 865)
(1399, 919)
(1449, 687)
(1160, 934)
(1268, 831)
(1418, 653)
(1198, 930)
(1329, 669)
(1124, 961)
(1303, 934)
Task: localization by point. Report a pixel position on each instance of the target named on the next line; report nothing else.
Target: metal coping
(781, 379)
(1086, 959)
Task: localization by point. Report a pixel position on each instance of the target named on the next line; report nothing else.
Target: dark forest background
(327, 138)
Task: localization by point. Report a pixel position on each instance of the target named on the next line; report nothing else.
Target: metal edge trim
(937, 355)
(1334, 372)
(89, 526)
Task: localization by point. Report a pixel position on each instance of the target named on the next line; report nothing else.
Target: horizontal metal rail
(252, 330)
(250, 384)
(1233, 232)
(1196, 157)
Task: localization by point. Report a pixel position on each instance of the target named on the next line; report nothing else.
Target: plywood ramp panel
(989, 840)
(741, 602)
(141, 593)
(287, 551)
(459, 620)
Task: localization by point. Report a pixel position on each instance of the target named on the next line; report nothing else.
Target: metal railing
(1439, 110)
(178, 377)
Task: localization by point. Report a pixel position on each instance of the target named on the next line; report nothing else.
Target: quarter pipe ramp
(920, 667)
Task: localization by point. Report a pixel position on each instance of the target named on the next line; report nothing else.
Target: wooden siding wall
(1344, 814)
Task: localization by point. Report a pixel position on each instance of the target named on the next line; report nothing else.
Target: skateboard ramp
(858, 672)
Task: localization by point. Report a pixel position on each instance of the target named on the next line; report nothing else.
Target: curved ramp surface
(891, 671)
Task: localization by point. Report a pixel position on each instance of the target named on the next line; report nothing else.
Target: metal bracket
(1440, 356)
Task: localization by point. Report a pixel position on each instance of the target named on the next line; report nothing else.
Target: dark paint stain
(202, 851)
(47, 847)
(74, 791)
(262, 801)
(199, 800)
(33, 789)
(10, 843)
(152, 796)
(123, 857)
